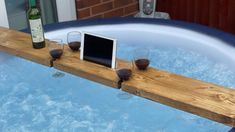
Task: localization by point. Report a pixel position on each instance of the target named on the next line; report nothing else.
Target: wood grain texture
(215, 13)
(20, 44)
(231, 18)
(70, 62)
(204, 99)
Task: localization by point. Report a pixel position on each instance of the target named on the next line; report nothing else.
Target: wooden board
(20, 44)
(204, 99)
(71, 63)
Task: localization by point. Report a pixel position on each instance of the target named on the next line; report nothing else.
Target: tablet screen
(98, 50)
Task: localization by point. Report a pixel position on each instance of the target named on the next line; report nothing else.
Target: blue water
(31, 99)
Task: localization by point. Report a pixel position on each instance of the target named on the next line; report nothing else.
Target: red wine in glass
(73, 39)
(124, 74)
(142, 64)
(74, 46)
(56, 53)
(56, 48)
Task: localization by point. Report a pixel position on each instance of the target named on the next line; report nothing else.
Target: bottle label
(36, 30)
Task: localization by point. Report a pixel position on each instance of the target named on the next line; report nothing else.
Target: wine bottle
(35, 25)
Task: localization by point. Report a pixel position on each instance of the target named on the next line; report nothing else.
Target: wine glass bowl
(141, 58)
(142, 64)
(56, 48)
(124, 71)
(73, 39)
(124, 74)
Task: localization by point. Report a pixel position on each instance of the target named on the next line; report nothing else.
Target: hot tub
(32, 99)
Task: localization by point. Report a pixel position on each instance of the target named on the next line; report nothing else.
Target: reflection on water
(58, 74)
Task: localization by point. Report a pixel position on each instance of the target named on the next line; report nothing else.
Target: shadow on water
(58, 75)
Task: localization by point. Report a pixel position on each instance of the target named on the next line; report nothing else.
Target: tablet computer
(98, 49)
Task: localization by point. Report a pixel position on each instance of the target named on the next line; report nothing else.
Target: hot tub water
(31, 99)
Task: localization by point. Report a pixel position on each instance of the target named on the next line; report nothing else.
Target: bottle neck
(32, 3)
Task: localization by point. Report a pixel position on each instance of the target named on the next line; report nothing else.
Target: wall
(105, 8)
(215, 13)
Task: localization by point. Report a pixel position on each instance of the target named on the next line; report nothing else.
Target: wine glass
(74, 40)
(124, 73)
(124, 70)
(56, 49)
(141, 58)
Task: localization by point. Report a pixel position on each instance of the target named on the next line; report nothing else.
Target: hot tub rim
(209, 31)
